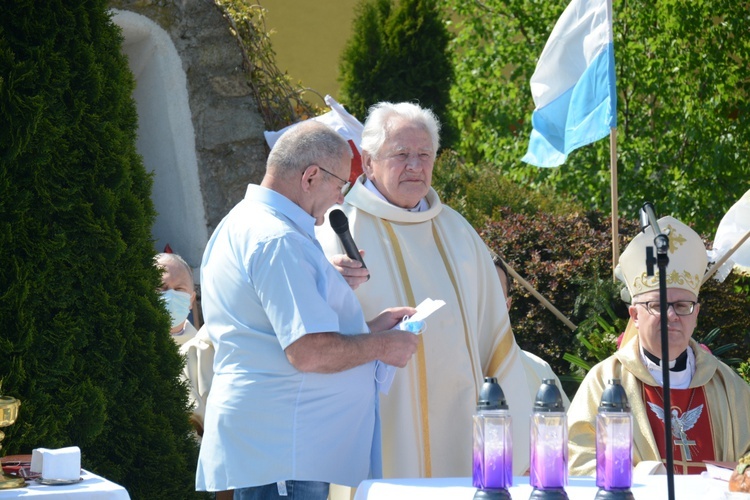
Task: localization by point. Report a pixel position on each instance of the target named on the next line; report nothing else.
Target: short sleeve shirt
(265, 283)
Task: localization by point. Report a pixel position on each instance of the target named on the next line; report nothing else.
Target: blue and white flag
(573, 85)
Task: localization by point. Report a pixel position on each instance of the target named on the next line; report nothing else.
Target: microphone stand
(661, 242)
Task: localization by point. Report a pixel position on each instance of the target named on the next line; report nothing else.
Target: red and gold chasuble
(692, 439)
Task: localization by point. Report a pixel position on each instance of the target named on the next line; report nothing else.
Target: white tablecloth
(579, 488)
(92, 487)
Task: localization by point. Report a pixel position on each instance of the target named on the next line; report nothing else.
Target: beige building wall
(308, 40)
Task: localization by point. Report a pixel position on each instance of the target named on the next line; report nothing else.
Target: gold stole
(421, 363)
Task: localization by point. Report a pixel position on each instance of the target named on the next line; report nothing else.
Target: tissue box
(59, 464)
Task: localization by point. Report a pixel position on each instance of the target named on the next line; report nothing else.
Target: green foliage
(605, 317)
(480, 193)
(742, 283)
(495, 48)
(683, 107)
(398, 53)
(85, 339)
(744, 370)
(710, 341)
(725, 307)
(360, 85)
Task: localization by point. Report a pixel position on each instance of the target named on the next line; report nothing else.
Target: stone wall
(230, 148)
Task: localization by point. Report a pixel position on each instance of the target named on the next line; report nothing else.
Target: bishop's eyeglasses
(680, 307)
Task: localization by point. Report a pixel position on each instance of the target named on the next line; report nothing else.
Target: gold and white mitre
(687, 259)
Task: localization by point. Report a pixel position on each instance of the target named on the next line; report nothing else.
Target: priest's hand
(351, 269)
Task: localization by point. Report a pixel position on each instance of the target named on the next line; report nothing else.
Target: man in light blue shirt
(293, 404)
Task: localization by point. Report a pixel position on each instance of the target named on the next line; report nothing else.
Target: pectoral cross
(685, 444)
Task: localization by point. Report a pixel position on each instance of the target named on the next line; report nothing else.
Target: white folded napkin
(62, 463)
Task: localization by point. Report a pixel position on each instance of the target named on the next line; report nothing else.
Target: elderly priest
(418, 248)
(709, 401)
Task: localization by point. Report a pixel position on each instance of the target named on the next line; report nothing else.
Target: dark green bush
(85, 342)
(726, 306)
(550, 252)
(398, 52)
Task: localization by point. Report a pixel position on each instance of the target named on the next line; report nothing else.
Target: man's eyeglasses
(346, 184)
(680, 307)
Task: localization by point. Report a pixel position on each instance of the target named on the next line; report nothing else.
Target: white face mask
(178, 305)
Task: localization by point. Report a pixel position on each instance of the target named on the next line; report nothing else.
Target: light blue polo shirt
(265, 282)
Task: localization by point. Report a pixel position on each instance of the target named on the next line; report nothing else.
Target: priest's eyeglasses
(680, 307)
(346, 184)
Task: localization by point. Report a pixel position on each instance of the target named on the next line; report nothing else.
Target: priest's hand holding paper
(351, 269)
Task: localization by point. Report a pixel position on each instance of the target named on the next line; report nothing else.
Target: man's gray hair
(380, 117)
(161, 257)
(307, 143)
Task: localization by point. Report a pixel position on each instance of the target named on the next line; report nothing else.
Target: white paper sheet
(384, 374)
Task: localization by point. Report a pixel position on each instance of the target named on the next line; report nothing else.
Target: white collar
(677, 380)
(421, 206)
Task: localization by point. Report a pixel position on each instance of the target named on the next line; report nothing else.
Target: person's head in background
(177, 288)
(505, 279)
(399, 144)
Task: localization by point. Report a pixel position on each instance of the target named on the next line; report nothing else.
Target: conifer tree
(84, 338)
(398, 53)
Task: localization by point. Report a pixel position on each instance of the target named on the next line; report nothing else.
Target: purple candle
(493, 453)
(614, 450)
(549, 445)
(548, 470)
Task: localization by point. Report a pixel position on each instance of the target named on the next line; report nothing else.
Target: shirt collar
(284, 206)
(678, 379)
(676, 365)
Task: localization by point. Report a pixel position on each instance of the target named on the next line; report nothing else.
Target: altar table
(695, 487)
(92, 487)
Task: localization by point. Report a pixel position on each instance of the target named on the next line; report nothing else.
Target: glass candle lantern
(614, 444)
(492, 470)
(549, 444)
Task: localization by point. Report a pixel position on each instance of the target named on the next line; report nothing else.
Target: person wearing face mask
(709, 401)
(178, 291)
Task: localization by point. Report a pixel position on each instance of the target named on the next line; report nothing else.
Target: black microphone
(648, 218)
(340, 225)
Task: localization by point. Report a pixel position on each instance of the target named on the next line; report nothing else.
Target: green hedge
(84, 339)
(398, 52)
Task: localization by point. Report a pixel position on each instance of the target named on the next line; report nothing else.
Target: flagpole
(546, 303)
(725, 257)
(613, 194)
